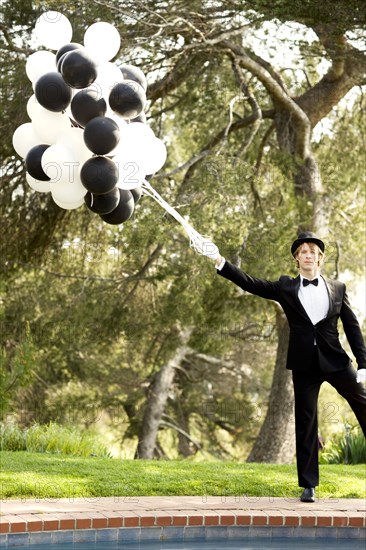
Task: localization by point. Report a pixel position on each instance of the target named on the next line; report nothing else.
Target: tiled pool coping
(34, 521)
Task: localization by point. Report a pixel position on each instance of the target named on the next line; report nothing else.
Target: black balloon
(33, 162)
(99, 175)
(67, 48)
(78, 69)
(101, 135)
(60, 61)
(87, 104)
(131, 72)
(127, 98)
(123, 211)
(52, 92)
(102, 204)
(136, 193)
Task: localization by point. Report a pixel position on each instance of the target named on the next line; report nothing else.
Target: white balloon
(68, 205)
(102, 40)
(136, 138)
(108, 75)
(121, 122)
(68, 110)
(60, 164)
(40, 63)
(32, 106)
(138, 135)
(53, 30)
(24, 138)
(131, 170)
(154, 156)
(40, 186)
(48, 125)
(139, 153)
(73, 139)
(68, 192)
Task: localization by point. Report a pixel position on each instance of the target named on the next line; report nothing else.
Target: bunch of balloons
(87, 141)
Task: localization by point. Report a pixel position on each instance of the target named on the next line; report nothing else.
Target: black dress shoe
(308, 495)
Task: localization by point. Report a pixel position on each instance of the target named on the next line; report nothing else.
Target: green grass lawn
(37, 475)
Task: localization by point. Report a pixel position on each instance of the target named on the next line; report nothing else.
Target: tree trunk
(156, 401)
(276, 440)
(185, 447)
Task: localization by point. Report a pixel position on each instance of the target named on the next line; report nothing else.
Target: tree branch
(256, 110)
(141, 272)
(279, 96)
(336, 47)
(10, 44)
(175, 427)
(347, 70)
(208, 149)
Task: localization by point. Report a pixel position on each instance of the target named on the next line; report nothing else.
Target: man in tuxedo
(313, 305)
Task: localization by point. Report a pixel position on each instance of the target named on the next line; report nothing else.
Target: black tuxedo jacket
(332, 356)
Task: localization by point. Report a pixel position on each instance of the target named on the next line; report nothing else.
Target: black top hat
(307, 237)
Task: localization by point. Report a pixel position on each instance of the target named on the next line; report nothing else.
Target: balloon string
(197, 241)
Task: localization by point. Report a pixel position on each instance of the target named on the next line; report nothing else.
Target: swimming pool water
(247, 544)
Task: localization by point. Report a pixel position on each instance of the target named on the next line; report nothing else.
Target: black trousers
(306, 390)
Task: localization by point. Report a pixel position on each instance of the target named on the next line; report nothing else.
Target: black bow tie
(306, 282)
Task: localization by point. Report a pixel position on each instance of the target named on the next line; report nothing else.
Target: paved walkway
(29, 515)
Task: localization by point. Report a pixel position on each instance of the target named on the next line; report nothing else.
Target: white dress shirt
(315, 299)
(221, 264)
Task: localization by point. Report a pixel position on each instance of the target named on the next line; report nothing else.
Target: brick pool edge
(176, 518)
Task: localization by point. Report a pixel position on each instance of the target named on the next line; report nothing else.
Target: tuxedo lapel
(331, 293)
(295, 291)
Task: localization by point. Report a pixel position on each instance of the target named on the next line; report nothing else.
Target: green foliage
(17, 361)
(342, 14)
(27, 475)
(343, 171)
(51, 438)
(12, 438)
(346, 448)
